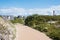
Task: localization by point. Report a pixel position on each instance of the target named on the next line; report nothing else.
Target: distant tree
(34, 20)
(18, 20)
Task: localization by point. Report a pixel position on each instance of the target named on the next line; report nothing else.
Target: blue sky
(28, 3)
(27, 6)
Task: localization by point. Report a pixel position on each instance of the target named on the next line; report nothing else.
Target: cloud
(12, 11)
(23, 11)
(46, 11)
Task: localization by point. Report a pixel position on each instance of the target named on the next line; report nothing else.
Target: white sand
(27, 33)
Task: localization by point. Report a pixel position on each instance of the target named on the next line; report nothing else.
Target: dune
(26, 33)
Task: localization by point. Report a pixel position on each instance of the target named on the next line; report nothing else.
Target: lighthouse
(53, 12)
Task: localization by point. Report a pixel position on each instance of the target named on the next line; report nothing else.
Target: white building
(8, 17)
(52, 22)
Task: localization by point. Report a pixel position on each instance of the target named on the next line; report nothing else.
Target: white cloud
(22, 11)
(12, 11)
(46, 11)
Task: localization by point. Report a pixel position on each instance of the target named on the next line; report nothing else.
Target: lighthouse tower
(53, 12)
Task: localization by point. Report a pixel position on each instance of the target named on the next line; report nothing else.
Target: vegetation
(18, 20)
(40, 23)
(6, 29)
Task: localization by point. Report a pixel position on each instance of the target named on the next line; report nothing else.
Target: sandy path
(27, 33)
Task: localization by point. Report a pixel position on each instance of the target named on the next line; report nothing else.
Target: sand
(27, 33)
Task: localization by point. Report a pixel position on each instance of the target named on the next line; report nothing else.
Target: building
(53, 12)
(7, 17)
(52, 22)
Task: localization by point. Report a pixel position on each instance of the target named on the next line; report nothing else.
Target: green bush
(18, 20)
(39, 22)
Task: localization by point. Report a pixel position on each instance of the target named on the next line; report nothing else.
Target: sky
(28, 7)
